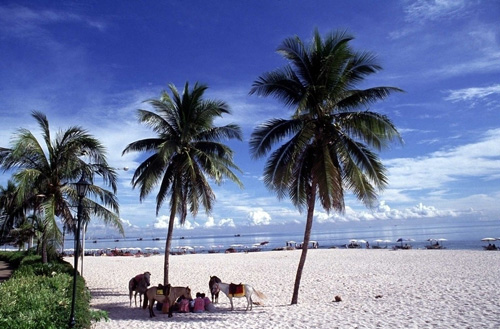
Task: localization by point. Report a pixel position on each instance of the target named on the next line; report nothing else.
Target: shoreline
(410, 289)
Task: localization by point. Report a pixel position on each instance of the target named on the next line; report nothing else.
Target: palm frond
(271, 132)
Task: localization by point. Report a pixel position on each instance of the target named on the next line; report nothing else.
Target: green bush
(13, 257)
(31, 259)
(39, 296)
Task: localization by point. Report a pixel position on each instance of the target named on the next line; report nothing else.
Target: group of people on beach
(198, 305)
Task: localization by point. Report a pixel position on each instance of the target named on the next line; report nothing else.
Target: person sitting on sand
(209, 306)
(183, 304)
(199, 304)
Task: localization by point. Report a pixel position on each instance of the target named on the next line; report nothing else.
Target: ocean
(453, 235)
(457, 235)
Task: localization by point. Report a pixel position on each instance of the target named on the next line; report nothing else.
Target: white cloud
(429, 10)
(161, 222)
(433, 171)
(259, 217)
(224, 222)
(186, 226)
(420, 12)
(22, 21)
(210, 222)
(383, 212)
(472, 93)
(126, 223)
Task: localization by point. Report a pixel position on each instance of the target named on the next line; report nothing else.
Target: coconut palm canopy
(45, 172)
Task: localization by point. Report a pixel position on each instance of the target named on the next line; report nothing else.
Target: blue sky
(93, 63)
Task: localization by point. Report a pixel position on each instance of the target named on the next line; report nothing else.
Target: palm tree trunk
(307, 235)
(168, 245)
(44, 250)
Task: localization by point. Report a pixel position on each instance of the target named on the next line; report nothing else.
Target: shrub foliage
(39, 296)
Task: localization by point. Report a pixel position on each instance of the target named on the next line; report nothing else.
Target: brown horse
(170, 295)
(139, 284)
(214, 290)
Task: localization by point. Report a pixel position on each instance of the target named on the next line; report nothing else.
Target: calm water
(457, 235)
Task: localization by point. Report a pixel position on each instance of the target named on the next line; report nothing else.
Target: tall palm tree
(185, 154)
(330, 140)
(45, 175)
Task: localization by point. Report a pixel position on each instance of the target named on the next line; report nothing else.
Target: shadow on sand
(122, 312)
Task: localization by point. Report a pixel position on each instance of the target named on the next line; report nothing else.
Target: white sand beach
(379, 289)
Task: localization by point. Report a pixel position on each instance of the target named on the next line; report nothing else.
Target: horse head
(147, 277)
(215, 288)
(213, 280)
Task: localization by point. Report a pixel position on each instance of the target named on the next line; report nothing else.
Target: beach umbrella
(488, 239)
(404, 240)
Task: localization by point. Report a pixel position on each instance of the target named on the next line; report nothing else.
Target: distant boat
(139, 239)
(237, 235)
(117, 240)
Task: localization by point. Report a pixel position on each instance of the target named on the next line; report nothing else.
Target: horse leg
(151, 312)
(170, 311)
(130, 297)
(217, 298)
(231, 300)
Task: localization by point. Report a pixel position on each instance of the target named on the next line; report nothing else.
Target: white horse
(242, 290)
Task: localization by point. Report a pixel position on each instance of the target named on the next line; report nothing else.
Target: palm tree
(330, 144)
(44, 178)
(184, 155)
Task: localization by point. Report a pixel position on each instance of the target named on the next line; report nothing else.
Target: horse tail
(259, 294)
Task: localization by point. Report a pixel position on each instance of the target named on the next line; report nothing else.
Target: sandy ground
(379, 289)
